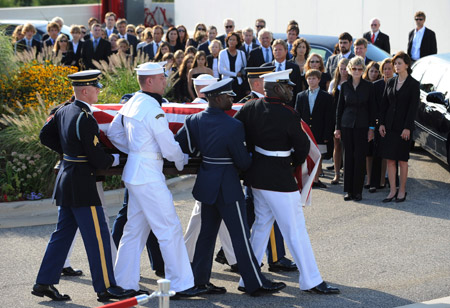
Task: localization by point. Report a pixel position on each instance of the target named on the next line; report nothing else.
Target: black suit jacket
(133, 43)
(428, 45)
(148, 50)
(88, 54)
(46, 36)
(399, 108)
(253, 46)
(321, 120)
(256, 57)
(22, 45)
(356, 108)
(333, 61)
(294, 76)
(382, 40)
(204, 47)
(48, 42)
(77, 55)
(221, 38)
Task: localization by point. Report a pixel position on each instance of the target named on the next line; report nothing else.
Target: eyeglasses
(314, 61)
(201, 29)
(259, 26)
(374, 25)
(131, 31)
(229, 27)
(63, 41)
(419, 19)
(357, 69)
(139, 32)
(181, 30)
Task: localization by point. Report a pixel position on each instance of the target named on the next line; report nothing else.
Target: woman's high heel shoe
(401, 199)
(392, 198)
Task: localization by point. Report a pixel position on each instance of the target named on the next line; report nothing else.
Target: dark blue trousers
(275, 247)
(96, 238)
(154, 253)
(234, 217)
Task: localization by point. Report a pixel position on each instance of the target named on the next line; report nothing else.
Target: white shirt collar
(89, 106)
(258, 94)
(376, 33)
(422, 30)
(347, 54)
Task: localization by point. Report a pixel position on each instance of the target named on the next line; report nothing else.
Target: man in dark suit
(315, 107)
(248, 44)
(152, 48)
(229, 25)
(345, 41)
(360, 47)
(95, 49)
(77, 44)
(28, 42)
(219, 189)
(376, 37)
(263, 53)
(73, 132)
(110, 23)
(279, 48)
(292, 34)
(421, 41)
(121, 25)
(212, 33)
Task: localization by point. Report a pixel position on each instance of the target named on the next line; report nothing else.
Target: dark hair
(297, 42)
(293, 28)
(183, 71)
(159, 54)
(345, 36)
(368, 67)
(170, 30)
(404, 56)
(238, 38)
(186, 34)
(190, 49)
(199, 54)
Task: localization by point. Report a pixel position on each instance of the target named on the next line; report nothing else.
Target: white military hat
(204, 80)
(279, 77)
(219, 88)
(149, 68)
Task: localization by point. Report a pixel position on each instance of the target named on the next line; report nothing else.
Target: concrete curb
(436, 303)
(40, 212)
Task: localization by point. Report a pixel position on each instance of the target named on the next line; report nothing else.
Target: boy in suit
(315, 107)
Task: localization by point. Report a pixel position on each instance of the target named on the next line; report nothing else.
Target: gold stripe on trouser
(100, 246)
(273, 245)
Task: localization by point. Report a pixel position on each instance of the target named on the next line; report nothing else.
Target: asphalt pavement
(378, 254)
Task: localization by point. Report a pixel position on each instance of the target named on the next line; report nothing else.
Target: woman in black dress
(355, 117)
(172, 38)
(179, 83)
(300, 52)
(62, 48)
(398, 111)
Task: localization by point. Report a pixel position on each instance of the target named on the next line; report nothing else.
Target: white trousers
(193, 230)
(286, 209)
(150, 207)
(101, 194)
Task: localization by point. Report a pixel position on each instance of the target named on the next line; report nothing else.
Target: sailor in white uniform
(141, 130)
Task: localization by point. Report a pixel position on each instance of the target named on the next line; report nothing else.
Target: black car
(324, 46)
(433, 118)
(8, 25)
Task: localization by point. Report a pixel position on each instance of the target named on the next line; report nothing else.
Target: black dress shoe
(69, 271)
(367, 186)
(49, 290)
(234, 268)
(372, 190)
(401, 199)
(324, 288)
(283, 265)
(115, 292)
(212, 289)
(318, 184)
(160, 273)
(357, 197)
(191, 292)
(270, 287)
(385, 200)
(141, 292)
(348, 197)
(220, 257)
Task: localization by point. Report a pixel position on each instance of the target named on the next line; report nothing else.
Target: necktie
(373, 38)
(289, 48)
(29, 43)
(247, 49)
(279, 67)
(95, 44)
(266, 56)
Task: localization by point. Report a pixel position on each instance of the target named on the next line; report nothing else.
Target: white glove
(116, 160)
(186, 159)
(180, 165)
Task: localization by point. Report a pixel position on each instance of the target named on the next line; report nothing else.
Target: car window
(376, 54)
(431, 78)
(418, 69)
(444, 84)
(323, 52)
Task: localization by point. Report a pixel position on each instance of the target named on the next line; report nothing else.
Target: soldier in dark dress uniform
(272, 129)
(220, 140)
(74, 133)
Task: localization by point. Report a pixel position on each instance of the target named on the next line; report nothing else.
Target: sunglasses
(229, 27)
(201, 29)
(131, 31)
(139, 32)
(181, 30)
(357, 69)
(63, 41)
(314, 61)
(259, 26)
(374, 25)
(419, 19)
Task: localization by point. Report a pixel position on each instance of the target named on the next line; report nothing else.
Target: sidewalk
(443, 302)
(44, 212)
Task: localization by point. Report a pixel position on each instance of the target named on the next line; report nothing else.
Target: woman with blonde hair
(315, 61)
(62, 48)
(355, 124)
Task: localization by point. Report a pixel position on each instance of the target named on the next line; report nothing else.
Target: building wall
(325, 17)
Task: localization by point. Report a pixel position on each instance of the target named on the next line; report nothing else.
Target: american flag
(176, 113)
